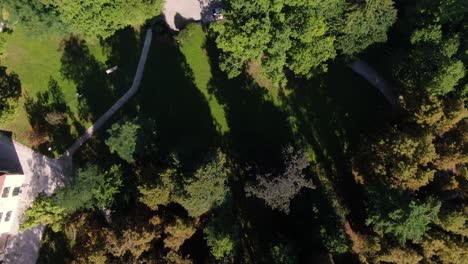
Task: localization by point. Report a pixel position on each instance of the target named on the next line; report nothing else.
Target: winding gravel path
(373, 77)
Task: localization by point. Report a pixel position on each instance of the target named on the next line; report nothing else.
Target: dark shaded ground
(40, 111)
(54, 248)
(169, 97)
(9, 162)
(331, 112)
(259, 130)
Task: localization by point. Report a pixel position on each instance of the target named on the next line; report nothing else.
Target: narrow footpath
(373, 77)
(122, 100)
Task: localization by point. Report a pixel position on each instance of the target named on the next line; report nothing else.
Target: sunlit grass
(192, 46)
(36, 60)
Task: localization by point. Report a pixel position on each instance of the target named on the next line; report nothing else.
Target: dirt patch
(178, 12)
(255, 70)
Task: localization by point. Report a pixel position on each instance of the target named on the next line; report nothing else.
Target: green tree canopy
(10, 91)
(396, 214)
(123, 139)
(207, 188)
(33, 15)
(221, 233)
(160, 193)
(365, 25)
(44, 211)
(300, 36)
(278, 190)
(90, 188)
(101, 18)
(400, 159)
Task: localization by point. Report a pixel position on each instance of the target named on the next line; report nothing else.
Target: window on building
(5, 192)
(16, 191)
(8, 216)
(1, 216)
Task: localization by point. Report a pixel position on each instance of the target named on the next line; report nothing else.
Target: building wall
(9, 203)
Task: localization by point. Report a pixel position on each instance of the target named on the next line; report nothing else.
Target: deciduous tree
(90, 188)
(365, 25)
(44, 211)
(159, 193)
(300, 36)
(134, 241)
(278, 190)
(399, 158)
(397, 215)
(123, 139)
(207, 188)
(177, 233)
(101, 18)
(10, 91)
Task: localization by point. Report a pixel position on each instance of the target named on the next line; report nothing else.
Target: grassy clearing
(254, 69)
(192, 41)
(37, 61)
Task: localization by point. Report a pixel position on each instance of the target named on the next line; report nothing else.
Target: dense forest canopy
(316, 168)
(300, 36)
(93, 18)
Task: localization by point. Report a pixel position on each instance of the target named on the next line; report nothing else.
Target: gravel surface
(176, 10)
(179, 12)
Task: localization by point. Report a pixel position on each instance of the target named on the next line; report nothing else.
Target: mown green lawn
(192, 42)
(37, 60)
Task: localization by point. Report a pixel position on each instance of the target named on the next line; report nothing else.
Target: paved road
(373, 77)
(42, 174)
(133, 89)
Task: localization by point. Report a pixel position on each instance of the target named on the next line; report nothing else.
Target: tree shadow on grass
(93, 85)
(48, 115)
(259, 130)
(54, 248)
(123, 48)
(333, 112)
(169, 96)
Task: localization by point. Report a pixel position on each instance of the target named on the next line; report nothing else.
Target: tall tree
(160, 193)
(10, 91)
(221, 233)
(44, 211)
(207, 188)
(34, 16)
(399, 158)
(101, 18)
(123, 139)
(365, 25)
(300, 36)
(91, 188)
(278, 190)
(399, 216)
